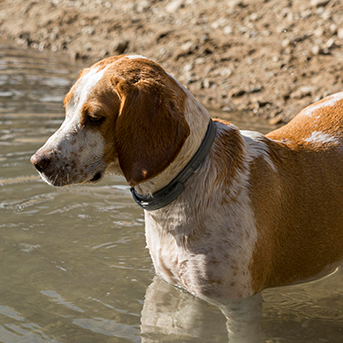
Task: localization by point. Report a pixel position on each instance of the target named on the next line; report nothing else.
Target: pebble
(333, 29)
(207, 83)
(174, 6)
(340, 34)
(319, 32)
(188, 67)
(120, 47)
(262, 103)
(303, 91)
(330, 43)
(319, 3)
(316, 50)
(286, 42)
(237, 92)
(276, 120)
(226, 72)
(187, 46)
(88, 30)
(227, 30)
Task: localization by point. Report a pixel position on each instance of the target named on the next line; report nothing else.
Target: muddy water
(73, 263)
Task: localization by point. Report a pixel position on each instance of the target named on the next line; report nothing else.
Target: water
(74, 267)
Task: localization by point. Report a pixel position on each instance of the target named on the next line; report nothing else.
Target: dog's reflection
(171, 315)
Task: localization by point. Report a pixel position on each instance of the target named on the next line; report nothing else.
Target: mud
(270, 58)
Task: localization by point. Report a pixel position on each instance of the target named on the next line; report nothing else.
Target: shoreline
(267, 58)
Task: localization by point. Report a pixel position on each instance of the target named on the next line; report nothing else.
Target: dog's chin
(67, 181)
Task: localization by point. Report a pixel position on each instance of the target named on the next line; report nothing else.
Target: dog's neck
(197, 118)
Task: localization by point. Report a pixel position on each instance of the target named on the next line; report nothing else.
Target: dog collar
(169, 193)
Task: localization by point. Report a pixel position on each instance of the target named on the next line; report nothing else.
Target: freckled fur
(260, 211)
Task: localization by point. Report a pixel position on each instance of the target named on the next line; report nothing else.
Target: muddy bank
(268, 57)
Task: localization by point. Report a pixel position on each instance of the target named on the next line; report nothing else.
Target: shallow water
(74, 267)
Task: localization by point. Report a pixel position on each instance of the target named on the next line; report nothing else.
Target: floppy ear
(150, 130)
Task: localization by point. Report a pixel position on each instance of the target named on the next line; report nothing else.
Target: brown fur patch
(299, 209)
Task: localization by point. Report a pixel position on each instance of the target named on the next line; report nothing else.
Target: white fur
(322, 138)
(229, 235)
(329, 101)
(257, 147)
(132, 57)
(79, 152)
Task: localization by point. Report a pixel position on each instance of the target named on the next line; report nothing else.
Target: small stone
(255, 89)
(340, 34)
(199, 60)
(304, 91)
(174, 6)
(254, 16)
(316, 50)
(207, 83)
(227, 108)
(226, 72)
(262, 103)
(187, 46)
(276, 120)
(227, 30)
(286, 42)
(319, 3)
(88, 30)
(236, 93)
(236, 3)
(188, 67)
(319, 32)
(330, 43)
(121, 46)
(333, 29)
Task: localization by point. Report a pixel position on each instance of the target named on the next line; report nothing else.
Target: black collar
(170, 192)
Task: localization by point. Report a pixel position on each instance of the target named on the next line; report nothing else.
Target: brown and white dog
(259, 211)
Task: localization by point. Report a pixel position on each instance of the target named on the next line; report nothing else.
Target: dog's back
(304, 215)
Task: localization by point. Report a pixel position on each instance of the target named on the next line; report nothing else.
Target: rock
(333, 29)
(316, 50)
(319, 3)
(286, 42)
(174, 6)
(188, 46)
(226, 72)
(88, 30)
(207, 83)
(262, 103)
(303, 91)
(340, 34)
(319, 32)
(237, 3)
(278, 119)
(330, 43)
(188, 67)
(120, 47)
(237, 92)
(227, 30)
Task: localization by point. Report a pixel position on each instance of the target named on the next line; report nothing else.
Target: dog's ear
(150, 130)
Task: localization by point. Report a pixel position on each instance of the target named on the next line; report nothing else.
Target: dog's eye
(94, 118)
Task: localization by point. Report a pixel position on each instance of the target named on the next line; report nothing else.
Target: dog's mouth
(97, 176)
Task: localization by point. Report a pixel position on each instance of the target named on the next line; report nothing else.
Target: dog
(228, 213)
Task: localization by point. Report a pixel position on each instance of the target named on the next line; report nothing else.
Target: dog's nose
(40, 162)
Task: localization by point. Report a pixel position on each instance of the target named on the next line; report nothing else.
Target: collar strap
(170, 192)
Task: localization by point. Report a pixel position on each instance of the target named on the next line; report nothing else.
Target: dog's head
(123, 109)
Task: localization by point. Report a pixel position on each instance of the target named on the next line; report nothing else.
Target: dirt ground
(269, 57)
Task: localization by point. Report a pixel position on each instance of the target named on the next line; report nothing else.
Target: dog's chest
(210, 266)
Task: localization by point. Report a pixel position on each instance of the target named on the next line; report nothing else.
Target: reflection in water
(166, 317)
